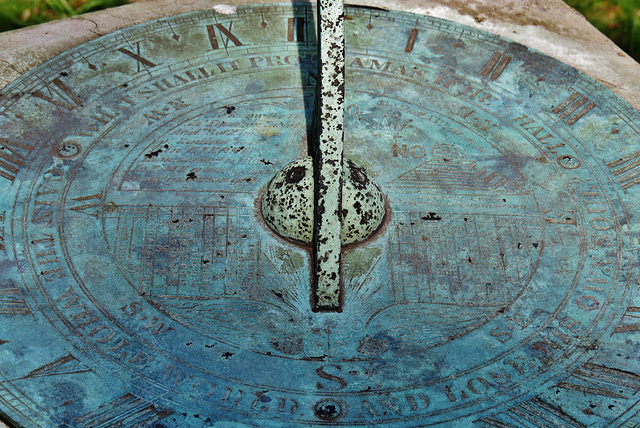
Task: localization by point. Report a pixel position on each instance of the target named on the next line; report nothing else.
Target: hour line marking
(626, 169)
(264, 23)
(174, 36)
(413, 35)
(496, 65)
(567, 109)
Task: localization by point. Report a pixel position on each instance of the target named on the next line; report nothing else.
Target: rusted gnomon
(327, 155)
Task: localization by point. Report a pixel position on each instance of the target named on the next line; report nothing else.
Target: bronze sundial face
(142, 285)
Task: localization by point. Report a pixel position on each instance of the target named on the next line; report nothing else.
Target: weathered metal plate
(140, 285)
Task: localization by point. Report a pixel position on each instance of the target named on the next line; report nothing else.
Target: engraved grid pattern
(465, 259)
(186, 252)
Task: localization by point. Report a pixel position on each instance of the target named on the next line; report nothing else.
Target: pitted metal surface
(502, 289)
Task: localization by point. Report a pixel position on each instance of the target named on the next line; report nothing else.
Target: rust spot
(327, 410)
(295, 174)
(358, 175)
(432, 217)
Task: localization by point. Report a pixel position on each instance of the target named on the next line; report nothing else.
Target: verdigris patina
(500, 290)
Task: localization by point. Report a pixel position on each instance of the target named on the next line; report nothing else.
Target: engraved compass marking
(496, 65)
(125, 411)
(12, 157)
(626, 169)
(573, 108)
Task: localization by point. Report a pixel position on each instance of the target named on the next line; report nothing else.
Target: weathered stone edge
(549, 26)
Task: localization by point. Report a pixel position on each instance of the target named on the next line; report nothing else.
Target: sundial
(163, 263)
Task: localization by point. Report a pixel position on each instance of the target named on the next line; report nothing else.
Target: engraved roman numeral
(630, 322)
(496, 65)
(59, 95)
(225, 34)
(413, 35)
(627, 169)
(136, 55)
(535, 412)
(601, 380)
(125, 411)
(296, 29)
(88, 207)
(12, 302)
(573, 108)
(67, 364)
(12, 157)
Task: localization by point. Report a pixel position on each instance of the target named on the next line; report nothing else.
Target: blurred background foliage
(23, 13)
(618, 19)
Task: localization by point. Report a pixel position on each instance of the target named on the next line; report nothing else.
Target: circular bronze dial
(140, 283)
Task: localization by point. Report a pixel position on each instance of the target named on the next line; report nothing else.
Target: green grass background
(618, 19)
(23, 13)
